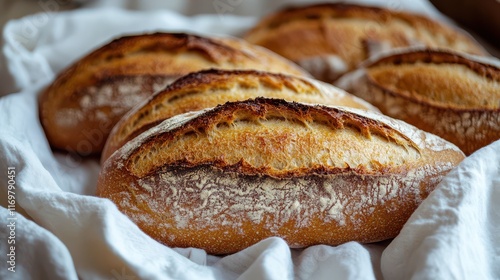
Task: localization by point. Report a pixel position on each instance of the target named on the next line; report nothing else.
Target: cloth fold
(63, 232)
(457, 225)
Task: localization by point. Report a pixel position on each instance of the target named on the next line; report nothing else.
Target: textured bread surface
(224, 178)
(209, 88)
(331, 39)
(81, 106)
(454, 96)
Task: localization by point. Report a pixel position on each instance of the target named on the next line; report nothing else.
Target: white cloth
(63, 232)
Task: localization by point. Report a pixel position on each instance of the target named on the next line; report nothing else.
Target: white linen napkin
(455, 233)
(63, 232)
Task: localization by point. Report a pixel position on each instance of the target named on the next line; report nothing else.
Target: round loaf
(81, 106)
(222, 179)
(452, 95)
(331, 39)
(209, 88)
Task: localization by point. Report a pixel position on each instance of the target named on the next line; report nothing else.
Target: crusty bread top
(440, 78)
(171, 55)
(209, 88)
(283, 139)
(352, 32)
(94, 93)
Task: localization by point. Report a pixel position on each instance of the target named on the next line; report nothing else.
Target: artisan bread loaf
(222, 179)
(79, 109)
(452, 95)
(209, 88)
(331, 39)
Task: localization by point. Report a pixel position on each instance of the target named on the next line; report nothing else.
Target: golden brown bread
(331, 39)
(209, 88)
(225, 178)
(452, 95)
(79, 109)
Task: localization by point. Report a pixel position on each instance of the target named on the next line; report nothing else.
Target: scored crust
(454, 96)
(331, 39)
(88, 98)
(225, 178)
(212, 87)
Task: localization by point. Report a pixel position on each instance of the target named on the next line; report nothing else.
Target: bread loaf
(452, 95)
(331, 39)
(79, 109)
(209, 88)
(225, 178)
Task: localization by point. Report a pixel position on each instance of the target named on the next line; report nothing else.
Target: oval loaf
(225, 178)
(209, 88)
(331, 39)
(81, 106)
(452, 95)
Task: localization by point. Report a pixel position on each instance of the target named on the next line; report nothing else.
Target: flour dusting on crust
(205, 197)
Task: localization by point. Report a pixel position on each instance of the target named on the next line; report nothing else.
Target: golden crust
(89, 97)
(212, 87)
(331, 39)
(451, 95)
(209, 179)
(243, 123)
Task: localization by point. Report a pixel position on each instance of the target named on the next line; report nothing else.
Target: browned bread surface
(225, 178)
(80, 107)
(454, 96)
(213, 87)
(331, 39)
